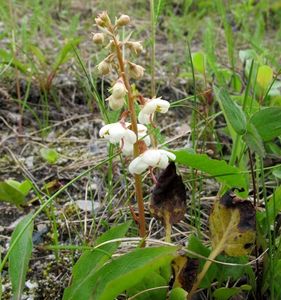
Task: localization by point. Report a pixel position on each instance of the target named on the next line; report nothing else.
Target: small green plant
(14, 192)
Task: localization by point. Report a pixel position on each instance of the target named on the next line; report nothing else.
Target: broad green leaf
(254, 140)
(277, 172)
(232, 225)
(268, 122)
(198, 60)
(247, 54)
(225, 293)
(50, 155)
(232, 111)
(24, 187)
(126, 271)
(91, 261)
(264, 76)
(178, 294)
(20, 256)
(150, 281)
(229, 175)
(10, 193)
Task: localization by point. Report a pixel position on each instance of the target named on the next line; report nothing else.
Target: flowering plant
(133, 138)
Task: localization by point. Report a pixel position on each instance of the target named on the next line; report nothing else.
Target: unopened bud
(104, 67)
(119, 90)
(123, 20)
(135, 46)
(98, 38)
(115, 103)
(136, 71)
(103, 19)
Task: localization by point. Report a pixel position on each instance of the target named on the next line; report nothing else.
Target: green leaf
(268, 122)
(178, 294)
(264, 76)
(50, 155)
(20, 256)
(247, 54)
(91, 261)
(229, 175)
(225, 293)
(254, 140)
(23, 187)
(151, 280)
(127, 270)
(10, 193)
(277, 172)
(198, 60)
(232, 111)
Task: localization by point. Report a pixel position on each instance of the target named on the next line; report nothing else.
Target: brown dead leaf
(168, 201)
(185, 271)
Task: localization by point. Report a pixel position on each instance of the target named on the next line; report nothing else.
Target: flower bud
(103, 20)
(135, 46)
(115, 103)
(98, 38)
(119, 90)
(135, 71)
(123, 20)
(104, 67)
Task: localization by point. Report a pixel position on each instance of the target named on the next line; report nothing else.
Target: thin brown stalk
(138, 179)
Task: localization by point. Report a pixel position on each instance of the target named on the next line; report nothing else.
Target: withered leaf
(168, 201)
(184, 271)
(233, 225)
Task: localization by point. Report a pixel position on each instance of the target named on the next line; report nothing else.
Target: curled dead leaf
(168, 201)
(184, 271)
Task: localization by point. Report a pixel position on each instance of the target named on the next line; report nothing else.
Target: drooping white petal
(142, 129)
(130, 136)
(104, 131)
(149, 107)
(127, 148)
(143, 118)
(137, 166)
(163, 162)
(147, 140)
(171, 155)
(156, 105)
(151, 157)
(162, 106)
(116, 133)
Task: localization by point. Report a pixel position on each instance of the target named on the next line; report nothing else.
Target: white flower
(116, 132)
(119, 90)
(127, 147)
(150, 107)
(151, 158)
(115, 103)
